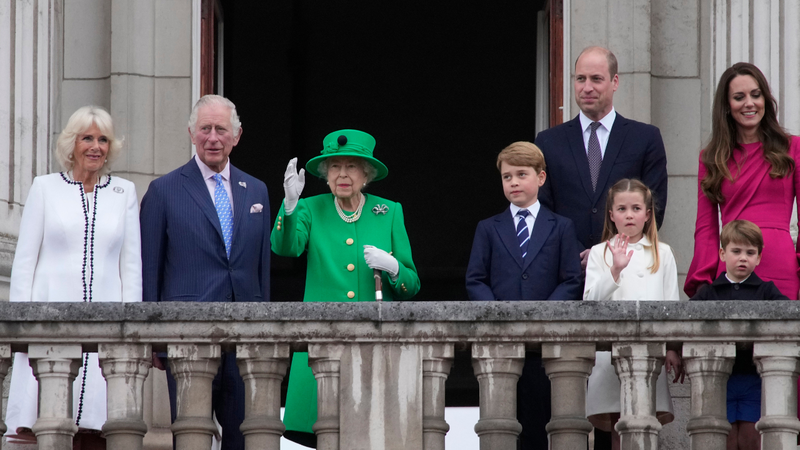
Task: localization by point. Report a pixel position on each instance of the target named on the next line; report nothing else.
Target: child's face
(740, 260)
(629, 214)
(521, 184)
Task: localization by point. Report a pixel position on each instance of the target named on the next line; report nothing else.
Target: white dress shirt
(208, 176)
(530, 220)
(602, 131)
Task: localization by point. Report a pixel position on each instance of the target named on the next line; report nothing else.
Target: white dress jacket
(636, 282)
(55, 246)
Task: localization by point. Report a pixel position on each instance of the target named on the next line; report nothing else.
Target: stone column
(568, 366)
(325, 361)
(5, 362)
(263, 367)
(498, 368)
(436, 362)
(778, 365)
(708, 366)
(55, 367)
(638, 366)
(125, 367)
(194, 367)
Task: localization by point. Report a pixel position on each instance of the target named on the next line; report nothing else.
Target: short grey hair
(211, 99)
(80, 121)
(369, 170)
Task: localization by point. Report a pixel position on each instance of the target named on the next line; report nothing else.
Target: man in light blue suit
(205, 238)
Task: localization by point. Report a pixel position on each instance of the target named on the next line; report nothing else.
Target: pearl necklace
(353, 217)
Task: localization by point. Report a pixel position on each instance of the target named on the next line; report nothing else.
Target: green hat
(348, 143)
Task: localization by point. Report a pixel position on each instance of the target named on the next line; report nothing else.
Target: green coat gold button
(351, 294)
(349, 241)
(351, 267)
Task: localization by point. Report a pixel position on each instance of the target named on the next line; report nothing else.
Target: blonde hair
(80, 121)
(522, 153)
(650, 229)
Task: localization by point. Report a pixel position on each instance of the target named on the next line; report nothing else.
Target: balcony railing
(381, 367)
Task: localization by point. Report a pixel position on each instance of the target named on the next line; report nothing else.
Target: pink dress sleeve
(705, 261)
(794, 151)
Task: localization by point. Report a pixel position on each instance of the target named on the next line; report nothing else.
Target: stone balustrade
(381, 367)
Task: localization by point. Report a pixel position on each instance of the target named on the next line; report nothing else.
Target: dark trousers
(533, 403)
(227, 400)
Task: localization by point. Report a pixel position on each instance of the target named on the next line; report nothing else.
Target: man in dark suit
(588, 154)
(205, 238)
(578, 178)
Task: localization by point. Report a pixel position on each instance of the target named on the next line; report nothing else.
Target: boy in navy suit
(526, 253)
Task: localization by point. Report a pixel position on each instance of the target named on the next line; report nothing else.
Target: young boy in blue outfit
(526, 253)
(742, 244)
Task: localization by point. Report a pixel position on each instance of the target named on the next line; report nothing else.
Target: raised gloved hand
(293, 183)
(379, 259)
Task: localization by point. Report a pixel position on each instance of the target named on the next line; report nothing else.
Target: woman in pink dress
(747, 171)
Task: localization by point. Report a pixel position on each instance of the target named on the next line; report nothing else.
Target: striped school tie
(522, 232)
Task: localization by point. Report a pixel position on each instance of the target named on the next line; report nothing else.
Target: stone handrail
(401, 353)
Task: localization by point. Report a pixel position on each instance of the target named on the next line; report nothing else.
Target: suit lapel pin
(243, 184)
(380, 209)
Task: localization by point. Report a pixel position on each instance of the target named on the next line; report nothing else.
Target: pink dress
(753, 196)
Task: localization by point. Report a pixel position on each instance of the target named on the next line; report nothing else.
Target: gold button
(279, 228)
(280, 217)
(351, 294)
(351, 267)
(349, 241)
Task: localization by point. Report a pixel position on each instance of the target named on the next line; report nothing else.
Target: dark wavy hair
(724, 133)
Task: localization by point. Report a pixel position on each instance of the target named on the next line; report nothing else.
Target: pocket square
(256, 208)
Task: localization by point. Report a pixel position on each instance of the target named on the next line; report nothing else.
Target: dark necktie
(522, 232)
(595, 155)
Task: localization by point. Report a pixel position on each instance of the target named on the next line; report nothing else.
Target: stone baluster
(325, 361)
(125, 368)
(568, 366)
(55, 367)
(498, 368)
(638, 366)
(708, 366)
(263, 367)
(194, 367)
(778, 365)
(436, 362)
(5, 362)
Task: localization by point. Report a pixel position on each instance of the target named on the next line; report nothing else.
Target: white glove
(293, 183)
(379, 259)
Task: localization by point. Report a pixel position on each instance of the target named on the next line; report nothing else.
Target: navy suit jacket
(183, 253)
(550, 271)
(634, 150)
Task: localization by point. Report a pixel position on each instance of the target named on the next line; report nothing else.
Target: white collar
(208, 173)
(533, 209)
(606, 121)
(736, 282)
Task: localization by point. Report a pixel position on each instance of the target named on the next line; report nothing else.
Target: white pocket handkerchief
(256, 208)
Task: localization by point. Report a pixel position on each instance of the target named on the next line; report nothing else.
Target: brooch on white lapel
(380, 209)
(118, 190)
(243, 184)
(256, 208)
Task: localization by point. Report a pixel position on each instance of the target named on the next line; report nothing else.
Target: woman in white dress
(79, 242)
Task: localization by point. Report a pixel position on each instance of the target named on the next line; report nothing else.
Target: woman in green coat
(348, 236)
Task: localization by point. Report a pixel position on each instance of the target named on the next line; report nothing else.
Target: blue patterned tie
(223, 205)
(595, 154)
(522, 232)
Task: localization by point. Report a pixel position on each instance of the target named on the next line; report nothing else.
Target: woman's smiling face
(746, 103)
